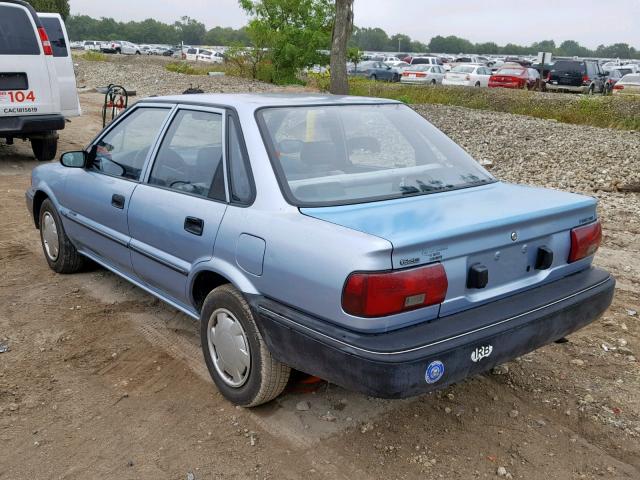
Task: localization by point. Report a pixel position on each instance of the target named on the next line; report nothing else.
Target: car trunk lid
(499, 226)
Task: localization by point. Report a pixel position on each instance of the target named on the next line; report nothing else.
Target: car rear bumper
(567, 88)
(431, 355)
(30, 124)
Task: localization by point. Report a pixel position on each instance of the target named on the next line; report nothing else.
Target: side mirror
(74, 159)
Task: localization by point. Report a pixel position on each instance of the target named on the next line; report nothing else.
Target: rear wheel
(477, 84)
(45, 148)
(433, 82)
(236, 355)
(591, 90)
(59, 252)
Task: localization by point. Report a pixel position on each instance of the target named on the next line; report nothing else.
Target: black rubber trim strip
(161, 261)
(75, 219)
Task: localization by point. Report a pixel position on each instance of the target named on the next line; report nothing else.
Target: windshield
(344, 154)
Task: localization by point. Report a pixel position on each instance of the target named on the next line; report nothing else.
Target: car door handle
(194, 225)
(117, 201)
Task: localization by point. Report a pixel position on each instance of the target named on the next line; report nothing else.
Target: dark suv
(582, 76)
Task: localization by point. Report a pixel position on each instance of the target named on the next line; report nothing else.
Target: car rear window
(17, 35)
(56, 36)
(346, 154)
(569, 67)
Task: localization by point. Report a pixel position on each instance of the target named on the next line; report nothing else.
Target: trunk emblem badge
(514, 236)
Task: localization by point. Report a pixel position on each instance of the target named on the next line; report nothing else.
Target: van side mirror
(74, 159)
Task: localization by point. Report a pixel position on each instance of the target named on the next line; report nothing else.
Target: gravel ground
(148, 76)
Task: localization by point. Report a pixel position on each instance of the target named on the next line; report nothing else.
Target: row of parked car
(124, 47)
(580, 76)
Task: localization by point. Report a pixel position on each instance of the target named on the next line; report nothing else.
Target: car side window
(190, 157)
(123, 150)
(239, 173)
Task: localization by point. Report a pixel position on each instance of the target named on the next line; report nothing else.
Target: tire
(591, 90)
(260, 378)
(44, 149)
(373, 77)
(433, 82)
(477, 84)
(66, 259)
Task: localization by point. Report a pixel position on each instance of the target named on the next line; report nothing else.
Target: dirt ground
(104, 381)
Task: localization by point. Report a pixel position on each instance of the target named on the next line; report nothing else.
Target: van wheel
(60, 253)
(44, 149)
(235, 353)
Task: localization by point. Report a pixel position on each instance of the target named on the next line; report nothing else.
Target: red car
(515, 76)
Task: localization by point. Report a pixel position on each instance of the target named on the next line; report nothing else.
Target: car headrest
(315, 154)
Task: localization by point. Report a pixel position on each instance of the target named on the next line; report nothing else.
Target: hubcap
(50, 236)
(229, 348)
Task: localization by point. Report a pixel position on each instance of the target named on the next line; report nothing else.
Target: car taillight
(586, 79)
(44, 39)
(618, 87)
(585, 241)
(377, 294)
(421, 74)
(405, 74)
(548, 79)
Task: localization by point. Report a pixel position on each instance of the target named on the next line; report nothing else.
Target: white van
(37, 82)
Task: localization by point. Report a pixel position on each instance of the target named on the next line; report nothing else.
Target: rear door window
(190, 157)
(17, 35)
(56, 36)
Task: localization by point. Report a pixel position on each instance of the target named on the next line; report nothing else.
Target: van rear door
(28, 83)
(63, 62)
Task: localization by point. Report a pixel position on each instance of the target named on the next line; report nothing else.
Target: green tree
(450, 44)
(190, 31)
(52, 6)
(294, 31)
(370, 39)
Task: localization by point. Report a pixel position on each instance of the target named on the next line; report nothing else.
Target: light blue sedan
(344, 237)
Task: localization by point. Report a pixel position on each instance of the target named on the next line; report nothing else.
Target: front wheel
(236, 355)
(373, 77)
(60, 253)
(44, 149)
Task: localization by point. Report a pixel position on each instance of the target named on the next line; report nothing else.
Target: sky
(590, 22)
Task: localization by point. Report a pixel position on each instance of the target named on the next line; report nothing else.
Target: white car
(628, 85)
(92, 45)
(195, 54)
(425, 61)
(470, 75)
(121, 46)
(37, 82)
(423, 74)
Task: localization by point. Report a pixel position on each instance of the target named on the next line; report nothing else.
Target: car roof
(255, 101)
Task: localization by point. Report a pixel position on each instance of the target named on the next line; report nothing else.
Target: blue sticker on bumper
(434, 372)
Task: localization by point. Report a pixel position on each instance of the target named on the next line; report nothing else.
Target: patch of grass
(187, 68)
(93, 56)
(621, 112)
